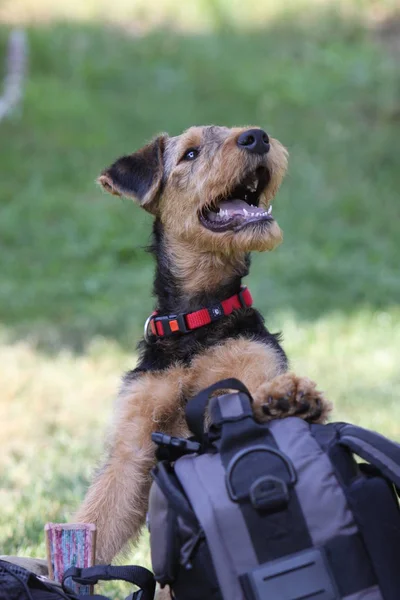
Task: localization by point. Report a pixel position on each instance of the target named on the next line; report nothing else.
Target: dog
(210, 191)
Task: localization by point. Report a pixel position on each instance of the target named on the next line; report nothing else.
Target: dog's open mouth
(241, 207)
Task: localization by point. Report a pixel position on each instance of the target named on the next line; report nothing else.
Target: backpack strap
(196, 407)
(373, 447)
(139, 576)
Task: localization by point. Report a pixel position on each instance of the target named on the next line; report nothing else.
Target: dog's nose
(255, 141)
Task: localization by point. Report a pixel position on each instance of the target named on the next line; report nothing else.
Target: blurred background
(102, 78)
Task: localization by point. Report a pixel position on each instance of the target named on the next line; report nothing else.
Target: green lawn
(75, 280)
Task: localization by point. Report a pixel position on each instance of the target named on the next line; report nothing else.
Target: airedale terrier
(210, 192)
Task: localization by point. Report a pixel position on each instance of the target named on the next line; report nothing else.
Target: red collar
(163, 326)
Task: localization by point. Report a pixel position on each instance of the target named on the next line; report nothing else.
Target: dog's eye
(190, 154)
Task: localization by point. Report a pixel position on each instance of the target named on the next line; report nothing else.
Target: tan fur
(188, 190)
(117, 500)
(196, 270)
(189, 187)
(251, 362)
(201, 261)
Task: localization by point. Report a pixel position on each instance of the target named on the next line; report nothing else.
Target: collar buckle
(174, 324)
(148, 331)
(167, 325)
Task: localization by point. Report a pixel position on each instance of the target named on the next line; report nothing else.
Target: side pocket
(376, 511)
(179, 552)
(196, 579)
(164, 540)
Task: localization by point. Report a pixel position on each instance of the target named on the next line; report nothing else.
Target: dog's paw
(290, 396)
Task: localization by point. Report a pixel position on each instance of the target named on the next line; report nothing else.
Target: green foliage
(73, 260)
(73, 263)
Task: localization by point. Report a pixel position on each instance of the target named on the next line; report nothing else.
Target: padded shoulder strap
(373, 447)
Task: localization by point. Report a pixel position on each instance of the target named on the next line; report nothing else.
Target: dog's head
(211, 186)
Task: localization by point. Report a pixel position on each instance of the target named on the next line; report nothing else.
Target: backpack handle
(374, 448)
(139, 576)
(196, 407)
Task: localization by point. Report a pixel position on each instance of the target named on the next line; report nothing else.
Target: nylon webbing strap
(277, 534)
(160, 326)
(139, 576)
(374, 448)
(196, 407)
(268, 530)
(229, 407)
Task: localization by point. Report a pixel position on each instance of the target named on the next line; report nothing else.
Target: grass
(75, 282)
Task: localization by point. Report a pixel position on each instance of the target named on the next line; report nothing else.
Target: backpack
(18, 583)
(275, 511)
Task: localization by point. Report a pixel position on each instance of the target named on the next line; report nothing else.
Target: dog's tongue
(238, 207)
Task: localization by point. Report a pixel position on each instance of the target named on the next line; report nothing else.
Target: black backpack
(276, 511)
(18, 583)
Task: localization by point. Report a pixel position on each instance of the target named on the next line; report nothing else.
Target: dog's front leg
(276, 393)
(117, 500)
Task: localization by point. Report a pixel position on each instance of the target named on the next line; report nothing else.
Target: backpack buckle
(265, 491)
(171, 448)
(305, 575)
(270, 493)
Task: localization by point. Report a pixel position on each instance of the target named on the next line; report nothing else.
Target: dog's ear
(138, 175)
